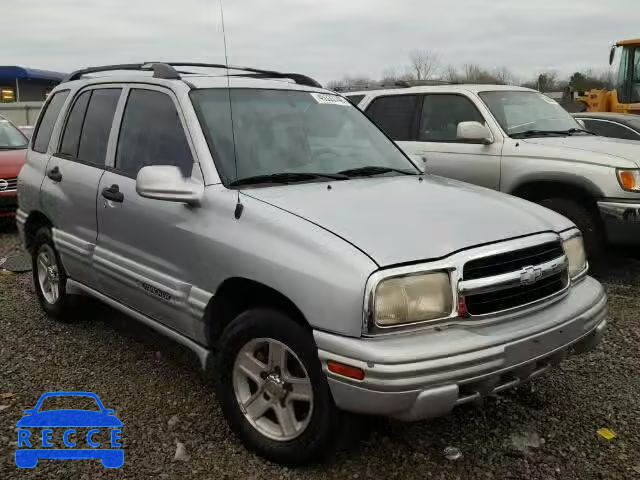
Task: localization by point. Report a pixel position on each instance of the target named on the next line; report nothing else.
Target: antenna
(239, 206)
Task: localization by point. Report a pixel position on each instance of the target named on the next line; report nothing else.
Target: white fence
(21, 113)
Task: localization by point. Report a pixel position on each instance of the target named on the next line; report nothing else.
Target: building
(19, 84)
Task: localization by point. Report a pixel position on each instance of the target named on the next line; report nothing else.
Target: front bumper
(8, 204)
(426, 374)
(621, 220)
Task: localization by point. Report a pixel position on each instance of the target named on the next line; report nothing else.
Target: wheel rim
(273, 389)
(48, 274)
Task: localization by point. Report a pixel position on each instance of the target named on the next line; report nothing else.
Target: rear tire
(49, 277)
(319, 422)
(586, 219)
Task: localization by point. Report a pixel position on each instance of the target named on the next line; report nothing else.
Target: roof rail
(160, 70)
(166, 70)
(259, 73)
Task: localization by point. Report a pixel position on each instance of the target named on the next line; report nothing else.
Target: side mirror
(165, 182)
(474, 132)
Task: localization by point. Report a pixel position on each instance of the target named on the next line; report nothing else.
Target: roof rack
(395, 84)
(167, 71)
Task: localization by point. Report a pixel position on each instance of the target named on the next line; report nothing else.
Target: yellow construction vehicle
(625, 97)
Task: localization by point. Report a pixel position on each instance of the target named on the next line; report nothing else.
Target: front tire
(49, 277)
(273, 391)
(586, 219)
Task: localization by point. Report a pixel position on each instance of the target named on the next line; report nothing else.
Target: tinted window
(609, 129)
(97, 126)
(164, 143)
(395, 115)
(47, 121)
(71, 135)
(355, 99)
(441, 115)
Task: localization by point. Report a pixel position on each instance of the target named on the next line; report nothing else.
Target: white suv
(520, 142)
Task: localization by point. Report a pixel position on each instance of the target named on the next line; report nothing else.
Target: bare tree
(503, 76)
(423, 64)
(473, 73)
(451, 74)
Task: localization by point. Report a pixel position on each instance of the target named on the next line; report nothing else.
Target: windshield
(522, 111)
(10, 136)
(283, 131)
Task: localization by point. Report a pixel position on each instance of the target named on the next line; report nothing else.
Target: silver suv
(269, 225)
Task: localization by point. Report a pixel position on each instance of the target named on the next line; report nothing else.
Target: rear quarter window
(47, 121)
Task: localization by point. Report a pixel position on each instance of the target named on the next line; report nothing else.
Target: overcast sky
(325, 39)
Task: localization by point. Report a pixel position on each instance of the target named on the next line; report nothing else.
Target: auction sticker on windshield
(69, 425)
(330, 99)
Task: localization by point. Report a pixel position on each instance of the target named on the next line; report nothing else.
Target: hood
(11, 161)
(601, 150)
(69, 418)
(399, 219)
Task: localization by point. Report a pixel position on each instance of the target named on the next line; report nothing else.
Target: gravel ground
(159, 394)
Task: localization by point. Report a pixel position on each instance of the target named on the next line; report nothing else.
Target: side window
(48, 119)
(395, 115)
(97, 126)
(73, 128)
(441, 115)
(163, 144)
(610, 129)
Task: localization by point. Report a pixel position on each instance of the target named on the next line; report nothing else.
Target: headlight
(411, 299)
(574, 249)
(629, 180)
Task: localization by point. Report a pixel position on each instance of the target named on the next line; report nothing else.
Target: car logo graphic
(530, 275)
(38, 427)
(3, 184)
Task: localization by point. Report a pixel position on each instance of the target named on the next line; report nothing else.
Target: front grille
(512, 261)
(12, 184)
(512, 297)
(483, 303)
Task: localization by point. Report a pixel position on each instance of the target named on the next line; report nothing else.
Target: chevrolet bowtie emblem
(530, 275)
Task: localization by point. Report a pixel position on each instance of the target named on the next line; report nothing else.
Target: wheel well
(237, 295)
(35, 221)
(536, 191)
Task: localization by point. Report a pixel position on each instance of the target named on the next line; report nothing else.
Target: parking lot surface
(544, 430)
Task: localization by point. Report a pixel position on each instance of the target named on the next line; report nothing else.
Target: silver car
(270, 226)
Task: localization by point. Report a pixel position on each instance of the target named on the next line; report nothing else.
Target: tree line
(425, 66)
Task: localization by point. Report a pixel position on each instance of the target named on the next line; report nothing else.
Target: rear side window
(151, 134)
(48, 120)
(441, 115)
(97, 126)
(395, 115)
(71, 135)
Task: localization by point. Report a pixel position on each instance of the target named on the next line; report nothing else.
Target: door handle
(55, 174)
(113, 193)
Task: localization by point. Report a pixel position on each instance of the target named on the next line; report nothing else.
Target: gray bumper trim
(427, 388)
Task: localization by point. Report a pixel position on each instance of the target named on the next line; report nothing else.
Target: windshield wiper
(538, 133)
(286, 177)
(371, 170)
(571, 131)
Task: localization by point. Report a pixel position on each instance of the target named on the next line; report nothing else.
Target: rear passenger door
(143, 251)
(69, 191)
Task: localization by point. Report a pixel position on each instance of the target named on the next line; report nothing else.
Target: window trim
(45, 107)
(110, 164)
(602, 120)
(415, 123)
(457, 94)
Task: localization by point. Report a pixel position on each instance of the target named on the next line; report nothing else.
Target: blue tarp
(13, 72)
